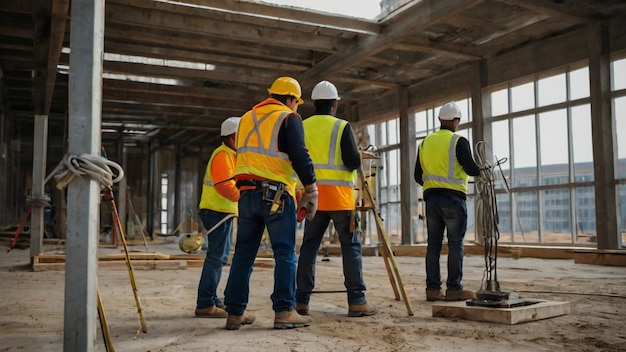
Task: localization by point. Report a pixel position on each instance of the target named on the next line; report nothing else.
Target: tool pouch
(274, 195)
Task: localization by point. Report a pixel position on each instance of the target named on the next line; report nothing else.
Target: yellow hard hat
(287, 86)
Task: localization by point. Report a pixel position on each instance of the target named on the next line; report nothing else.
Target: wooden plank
(120, 265)
(187, 256)
(282, 13)
(414, 19)
(135, 256)
(600, 257)
(504, 251)
(204, 25)
(140, 261)
(511, 316)
(554, 10)
(195, 263)
(48, 266)
(264, 262)
(49, 258)
(144, 265)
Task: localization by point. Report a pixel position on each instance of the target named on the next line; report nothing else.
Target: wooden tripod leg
(116, 219)
(386, 248)
(389, 254)
(384, 252)
(20, 227)
(106, 336)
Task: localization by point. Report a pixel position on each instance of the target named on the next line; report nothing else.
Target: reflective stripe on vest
(257, 144)
(322, 135)
(438, 173)
(211, 199)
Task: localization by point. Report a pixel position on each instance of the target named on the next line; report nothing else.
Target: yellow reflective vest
(211, 199)
(335, 182)
(439, 163)
(257, 145)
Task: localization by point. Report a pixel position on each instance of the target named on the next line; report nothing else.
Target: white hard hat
(325, 90)
(229, 126)
(450, 111)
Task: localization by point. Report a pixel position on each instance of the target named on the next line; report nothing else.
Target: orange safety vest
(211, 199)
(257, 145)
(335, 182)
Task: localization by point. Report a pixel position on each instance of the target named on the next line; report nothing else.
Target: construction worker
(444, 161)
(335, 159)
(218, 207)
(271, 156)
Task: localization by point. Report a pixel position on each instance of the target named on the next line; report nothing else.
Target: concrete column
(83, 194)
(602, 134)
(408, 155)
(40, 147)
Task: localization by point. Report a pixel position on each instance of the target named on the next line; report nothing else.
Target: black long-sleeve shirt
(463, 155)
(291, 142)
(349, 151)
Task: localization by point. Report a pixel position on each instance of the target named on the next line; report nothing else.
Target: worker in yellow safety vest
(335, 157)
(218, 206)
(444, 164)
(271, 156)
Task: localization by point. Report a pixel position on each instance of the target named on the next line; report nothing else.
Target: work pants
(350, 251)
(218, 250)
(254, 217)
(445, 212)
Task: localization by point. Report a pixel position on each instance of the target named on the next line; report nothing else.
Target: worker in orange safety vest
(218, 207)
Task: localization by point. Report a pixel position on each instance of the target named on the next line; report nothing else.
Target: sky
(368, 9)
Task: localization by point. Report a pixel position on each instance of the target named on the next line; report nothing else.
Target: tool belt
(273, 192)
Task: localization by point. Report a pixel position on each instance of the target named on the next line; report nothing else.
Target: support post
(603, 135)
(408, 155)
(40, 143)
(83, 194)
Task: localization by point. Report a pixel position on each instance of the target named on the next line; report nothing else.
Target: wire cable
(42, 201)
(487, 230)
(94, 166)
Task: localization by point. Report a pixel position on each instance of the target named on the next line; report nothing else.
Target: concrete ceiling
(243, 46)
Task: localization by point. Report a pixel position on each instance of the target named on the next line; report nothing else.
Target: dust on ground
(31, 310)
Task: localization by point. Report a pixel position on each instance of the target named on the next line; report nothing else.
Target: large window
(164, 208)
(426, 122)
(543, 127)
(384, 182)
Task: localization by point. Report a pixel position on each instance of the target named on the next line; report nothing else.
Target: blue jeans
(445, 211)
(254, 217)
(218, 243)
(350, 251)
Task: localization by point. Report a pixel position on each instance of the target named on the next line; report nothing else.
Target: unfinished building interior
(147, 83)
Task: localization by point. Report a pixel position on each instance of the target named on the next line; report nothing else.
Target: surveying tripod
(107, 194)
(367, 202)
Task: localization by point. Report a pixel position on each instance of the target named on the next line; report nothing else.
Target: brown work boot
(434, 295)
(211, 312)
(362, 310)
(234, 322)
(459, 295)
(290, 320)
(302, 308)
